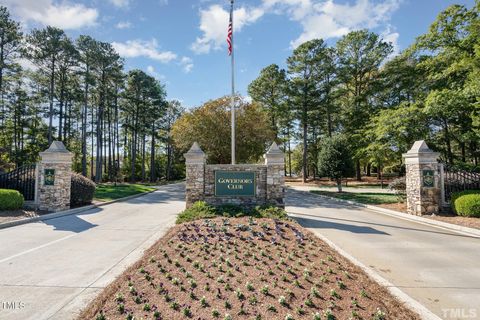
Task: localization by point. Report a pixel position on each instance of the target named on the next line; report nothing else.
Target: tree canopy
(209, 125)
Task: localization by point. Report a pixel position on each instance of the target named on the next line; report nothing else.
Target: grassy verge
(108, 192)
(362, 197)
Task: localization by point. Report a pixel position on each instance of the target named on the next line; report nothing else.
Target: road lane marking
(36, 248)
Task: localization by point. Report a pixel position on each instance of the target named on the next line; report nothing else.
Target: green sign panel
(49, 177)
(234, 183)
(428, 178)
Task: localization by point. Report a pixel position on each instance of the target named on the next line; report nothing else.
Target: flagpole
(232, 107)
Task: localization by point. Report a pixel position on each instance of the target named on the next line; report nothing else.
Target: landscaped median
(254, 264)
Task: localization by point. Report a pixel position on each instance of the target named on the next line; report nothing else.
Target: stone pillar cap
(57, 146)
(195, 155)
(422, 152)
(56, 153)
(274, 155)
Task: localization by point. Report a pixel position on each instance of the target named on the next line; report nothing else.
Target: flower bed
(244, 268)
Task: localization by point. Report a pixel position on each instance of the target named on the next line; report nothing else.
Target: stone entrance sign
(54, 178)
(422, 180)
(241, 184)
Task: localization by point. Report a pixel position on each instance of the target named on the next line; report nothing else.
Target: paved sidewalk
(438, 268)
(51, 269)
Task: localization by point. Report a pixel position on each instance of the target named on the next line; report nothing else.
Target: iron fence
(457, 179)
(21, 179)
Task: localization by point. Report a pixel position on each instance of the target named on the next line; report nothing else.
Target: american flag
(230, 32)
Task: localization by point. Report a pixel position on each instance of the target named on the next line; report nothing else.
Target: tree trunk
(358, 171)
(304, 155)
(144, 174)
(339, 185)
(84, 126)
(153, 177)
(60, 115)
(289, 153)
(169, 160)
(93, 172)
(447, 141)
(50, 110)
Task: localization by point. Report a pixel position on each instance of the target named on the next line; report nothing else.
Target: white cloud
(123, 25)
(187, 64)
(214, 24)
(120, 3)
(63, 15)
(141, 48)
(150, 49)
(328, 19)
(319, 19)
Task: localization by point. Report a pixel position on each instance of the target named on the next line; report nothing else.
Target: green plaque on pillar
(428, 178)
(234, 184)
(49, 177)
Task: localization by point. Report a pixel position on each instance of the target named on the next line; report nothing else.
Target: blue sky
(182, 42)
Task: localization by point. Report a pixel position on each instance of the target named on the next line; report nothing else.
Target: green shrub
(202, 210)
(467, 203)
(271, 212)
(10, 199)
(231, 210)
(82, 190)
(199, 210)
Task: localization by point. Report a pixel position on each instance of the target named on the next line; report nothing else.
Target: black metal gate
(21, 179)
(456, 180)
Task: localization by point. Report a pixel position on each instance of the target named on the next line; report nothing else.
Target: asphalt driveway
(51, 269)
(437, 267)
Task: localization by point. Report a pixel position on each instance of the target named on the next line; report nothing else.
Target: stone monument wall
(269, 180)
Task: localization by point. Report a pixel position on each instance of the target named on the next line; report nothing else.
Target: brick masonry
(270, 179)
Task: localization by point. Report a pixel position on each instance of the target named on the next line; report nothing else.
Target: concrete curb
(439, 224)
(411, 303)
(68, 212)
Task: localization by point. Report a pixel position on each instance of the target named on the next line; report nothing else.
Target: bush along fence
(430, 184)
(21, 179)
(47, 184)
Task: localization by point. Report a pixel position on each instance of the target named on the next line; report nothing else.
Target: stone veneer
(270, 179)
(56, 197)
(421, 199)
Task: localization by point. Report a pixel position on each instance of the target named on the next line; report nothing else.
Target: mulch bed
(244, 268)
(12, 215)
(469, 222)
(448, 217)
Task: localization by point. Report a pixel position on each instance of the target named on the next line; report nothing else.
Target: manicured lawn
(359, 186)
(107, 192)
(363, 197)
(244, 268)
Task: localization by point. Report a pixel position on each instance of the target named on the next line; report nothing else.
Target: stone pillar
(54, 178)
(195, 174)
(275, 162)
(422, 180)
